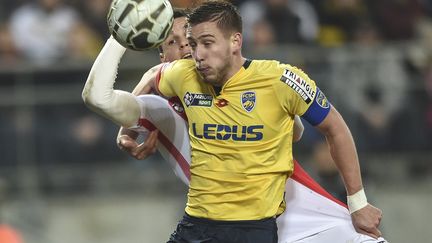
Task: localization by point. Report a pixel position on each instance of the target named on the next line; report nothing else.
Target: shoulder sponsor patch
(322, 100)
(299, 85)
(192, 99)
(248, 100)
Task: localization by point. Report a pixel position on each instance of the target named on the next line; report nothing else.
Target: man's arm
(99, 95)
(147, 82)
(366, 218)
(126, 138)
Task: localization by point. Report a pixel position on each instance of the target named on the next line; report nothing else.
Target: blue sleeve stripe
(318, 110)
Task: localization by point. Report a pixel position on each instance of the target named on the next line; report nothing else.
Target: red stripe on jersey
(302, 177)
(168, 145)
(177, 106)
(158, 77)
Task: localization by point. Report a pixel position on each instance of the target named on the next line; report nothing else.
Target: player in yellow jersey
(240, 116)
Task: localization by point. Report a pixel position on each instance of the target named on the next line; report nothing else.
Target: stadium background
(62, 179)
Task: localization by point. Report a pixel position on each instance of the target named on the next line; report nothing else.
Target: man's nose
(198, 54)
(184, 45)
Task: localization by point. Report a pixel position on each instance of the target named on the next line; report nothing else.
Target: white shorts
(312, 214)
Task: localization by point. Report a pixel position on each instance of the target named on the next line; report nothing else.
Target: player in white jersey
(313, 215)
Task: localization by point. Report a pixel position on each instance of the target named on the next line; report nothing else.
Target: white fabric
(171, 126)
(99, 95)
(339, 234)
(310, 216)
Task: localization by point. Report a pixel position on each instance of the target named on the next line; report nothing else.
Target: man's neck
(237, 64)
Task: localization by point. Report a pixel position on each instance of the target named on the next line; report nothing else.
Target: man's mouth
(202, 69)
(187, 56)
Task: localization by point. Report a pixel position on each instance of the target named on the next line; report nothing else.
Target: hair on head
(224, 13)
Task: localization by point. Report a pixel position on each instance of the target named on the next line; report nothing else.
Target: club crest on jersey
(248, 100)
(322, 100)
(191, 99)
(299, 85)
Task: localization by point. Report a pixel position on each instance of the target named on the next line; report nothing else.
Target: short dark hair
(178, 13)
(224, 13)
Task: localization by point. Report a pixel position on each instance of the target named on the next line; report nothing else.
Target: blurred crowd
(387, 100)
(384, 92)
(47, 30)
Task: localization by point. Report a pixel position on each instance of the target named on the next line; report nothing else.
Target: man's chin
(207, 79)
(203, 77)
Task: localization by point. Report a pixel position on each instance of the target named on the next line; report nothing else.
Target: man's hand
(138, 151)
(367, 220)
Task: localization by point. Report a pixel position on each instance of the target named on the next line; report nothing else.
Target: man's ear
(237, 41)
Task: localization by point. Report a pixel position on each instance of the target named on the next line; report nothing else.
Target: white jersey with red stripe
(311, 215)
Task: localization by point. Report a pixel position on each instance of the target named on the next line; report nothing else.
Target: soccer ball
(140, 24)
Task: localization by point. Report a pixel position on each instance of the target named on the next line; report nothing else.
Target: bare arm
(342, 148)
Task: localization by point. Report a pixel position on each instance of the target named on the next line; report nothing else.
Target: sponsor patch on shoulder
(248, 100)
(321, 99)
(299, 85)
(192, 99)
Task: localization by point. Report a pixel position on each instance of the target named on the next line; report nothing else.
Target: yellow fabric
(241, 151)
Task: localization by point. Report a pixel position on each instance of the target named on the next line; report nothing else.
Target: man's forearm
(98, 94)
(343, 150)
(344, 154)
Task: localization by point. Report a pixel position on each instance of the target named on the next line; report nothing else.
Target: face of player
(176, 46)
(213, 51)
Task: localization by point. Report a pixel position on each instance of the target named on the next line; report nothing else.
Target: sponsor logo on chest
(192, 99)
(299, 85)
(228, 132)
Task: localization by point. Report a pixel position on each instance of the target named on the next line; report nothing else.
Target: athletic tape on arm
(357, 201)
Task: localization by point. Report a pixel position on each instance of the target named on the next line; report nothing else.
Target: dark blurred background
(62, 178)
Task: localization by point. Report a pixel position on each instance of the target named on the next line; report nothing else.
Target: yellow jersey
(241, 136)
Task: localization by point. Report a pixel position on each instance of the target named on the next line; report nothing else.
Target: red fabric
(158, 77)
(169, 146)
(302, 177)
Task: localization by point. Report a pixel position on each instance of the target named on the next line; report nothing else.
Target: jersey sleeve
(170, 78)
(162, 83)
(299, 95)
